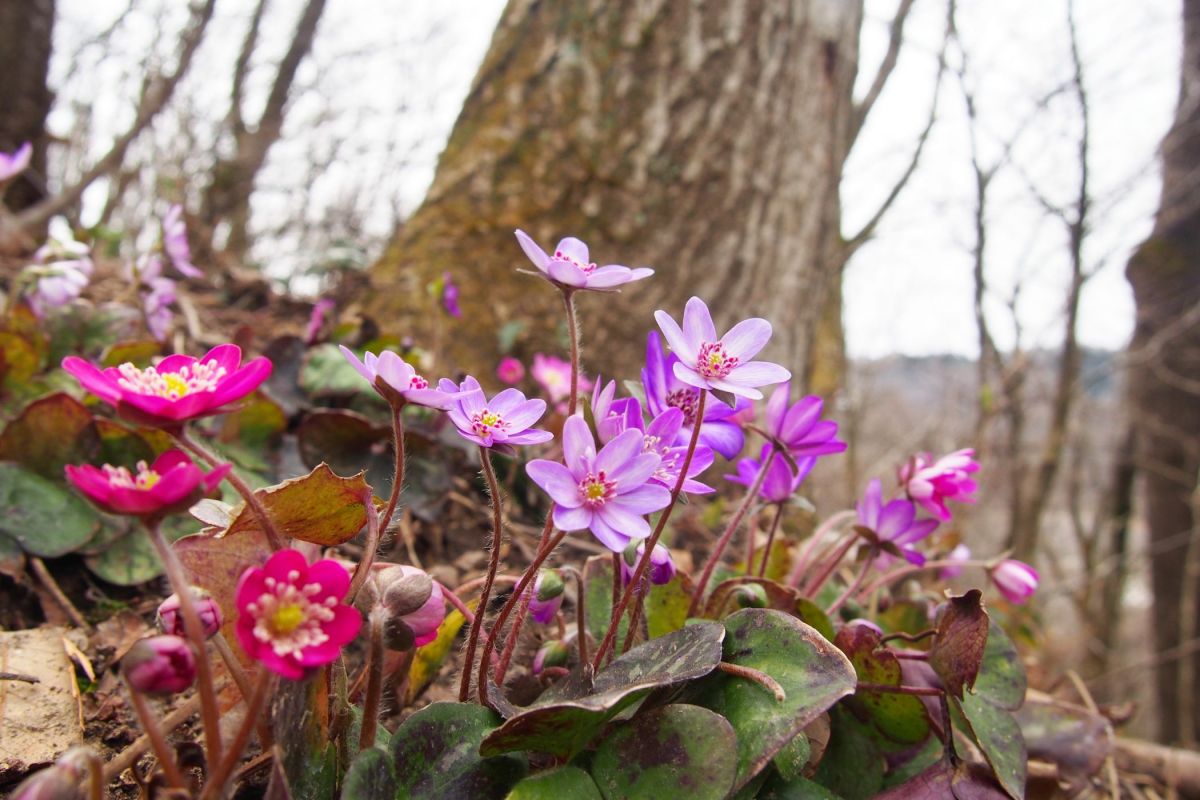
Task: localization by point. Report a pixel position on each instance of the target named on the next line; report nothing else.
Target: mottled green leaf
(562, 783)
(370, 777)
(129, 561)
(852, 767)
(894, 718)
(50, 433)
(436, 755)
(667, 605)
(999, 737)
(1001, 677)
(46, 519)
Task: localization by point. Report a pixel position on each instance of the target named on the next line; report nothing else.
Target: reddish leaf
(968, 781)
(894, 718)
(320, 507)
(50, 432)
(962, 633)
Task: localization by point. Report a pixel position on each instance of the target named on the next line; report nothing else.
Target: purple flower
(547, 596)
(571, 269)
(502, 421)
(175, 242)
(395, 379)
(157, 295)
(510, 371)
(1016, 580)
(13, 164)
(316, 320)
(450, 296)
(894, 522)
(959, 555)
(799, 426)
(661, 569)
(62, 268)
(718, 429)
(607, 492)
(709, 362)
(948, 478)
(159, 665)
(780, 482)
(554, 376)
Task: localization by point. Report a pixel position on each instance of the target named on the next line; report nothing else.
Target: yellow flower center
(595, 491)
(143, 481)
(287, 618)
(176, 384)
(490, 419)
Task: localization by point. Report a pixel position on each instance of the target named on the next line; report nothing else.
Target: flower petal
(758, 373)
(678, 343)
(579, 449)
(567, 272)
(535, 253)
(615, 455)
(556, 480)
(573, 249)
(611, 538)
(611, 275)
(629, 524)
(697, 325)
(745, 339)
(646, 499)
(359, 366)
(101, 384)
(572, 519)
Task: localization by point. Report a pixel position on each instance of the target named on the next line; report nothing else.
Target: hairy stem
(370, 721)
(853, 587)
(510, 643)
(243, 683)
(831, 564)
(573, 330)
(489, 474)
(580, 615)
(274, 539)
(363, 569)
(215, 785)
(811, 544)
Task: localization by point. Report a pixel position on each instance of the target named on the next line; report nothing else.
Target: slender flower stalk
(735, 522)
(363, 569)
(158, 742)
(568, 297)
(274, 539)
(762, 566)
(511, 644)
(811, 544)
(217, 779)
(852, 587)
(644, 564)
(489, 474)
(375, 652)
(829, 566)
(904, 570)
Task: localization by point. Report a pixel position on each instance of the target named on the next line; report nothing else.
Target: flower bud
(52, 783)
(750, 595)
(170, 615)
(551, 654)
(397, 635)
(1016, 580)
(407, 593)
(159, 665)
(547, 596)
(413, 599)
(661, 569)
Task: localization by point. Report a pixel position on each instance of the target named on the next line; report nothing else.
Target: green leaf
(812, 614)
(46, 519)
(319, 507)
(129, 561)
(779, 597)
(19, 359)
(793, 758)
(563, 726)
(258, 422)
(50, 433)
(812, 672)
(852, 767)
(302, 733)
(906, 616)
(436, 755)
(673, 751)
(121, 446)
(597, 583)
(895, 719)
(798, 788)
(348, 442)
(562, 783)
(327, 372)
(12, 558)
(999, 737)
(370, 777)
(667, 605)
(139, 352)
(1002, 675)
(958, 645)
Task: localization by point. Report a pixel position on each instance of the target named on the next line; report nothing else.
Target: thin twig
(47, 580)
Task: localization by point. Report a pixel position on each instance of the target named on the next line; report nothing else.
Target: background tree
(26, 33)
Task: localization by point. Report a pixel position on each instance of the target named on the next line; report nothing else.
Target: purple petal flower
(450, 296)
(570, 268)
(608, 492)
(13, 164)
(316, 320)
(894, 522)
(175, 242)
(799, 426)
(547, 590)
(780, 482)
(391, 376)
(719, 429)
(1016, 580)
(661, 569)
(931, 483)
(959, 555)
(723, 364)
(61, 270)
(554, 376)
(501, 421)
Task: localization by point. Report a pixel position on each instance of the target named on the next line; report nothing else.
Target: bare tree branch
(890, 57)
(241, 68)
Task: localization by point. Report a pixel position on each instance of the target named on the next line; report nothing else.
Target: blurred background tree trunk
(1165, 396)
(26, 30)
(704, 139)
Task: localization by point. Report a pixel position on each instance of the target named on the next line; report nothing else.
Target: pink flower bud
(1016, 580)
(52, 783)
(159, 665)
(661, 569)
(547, 596)
(959, 555)
(170, 615)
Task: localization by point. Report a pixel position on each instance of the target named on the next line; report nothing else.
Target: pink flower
(547, 597)
(450, 296)
(291, 617)
(959, 555)
(607, 492)
(554, 376)
(799, 426)
(177, 389)
(173, 483)
(948, 478)
(570, 267)
(13, 164)
(500, 422)
(661, 569)
(393, 377)
(1016, 580)
(427, 618)
(894, 522)
(159, 665)
(709, 362)
(169, 616)
(316, 319)
(510, 371)
(175, 242)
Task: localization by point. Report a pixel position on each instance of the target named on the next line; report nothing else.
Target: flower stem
(635, 616)
(909, 569)
(215, 785)
(830, 565)
(457, 602)
(573, 330)
(581, 633)
(162, 749)
(485, 593)
(734, 523)
(194, 628)
(644, 563)
(397, 470)
(510, 643)
(243, 682)
(853, 587)
(274, 539)
(762, 566)
(370, 720)
(811, 544)
(363, 569)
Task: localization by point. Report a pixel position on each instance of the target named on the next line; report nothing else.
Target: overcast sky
(397, 74)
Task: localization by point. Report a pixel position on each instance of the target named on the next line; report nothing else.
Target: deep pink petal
(98, 383)
(344, 626)
(282, 564)
(91, 481)
(332, 577)
(228, 356)
(251, 586)
(242, 382)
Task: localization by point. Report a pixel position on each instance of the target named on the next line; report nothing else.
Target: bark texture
(705, 139)
(26, 30)
(1165, 394)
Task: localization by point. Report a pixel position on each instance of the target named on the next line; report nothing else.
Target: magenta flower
(175, 242)
(606, 492)
(780, 483)
(894, 522)
(959, 555)
(177, 389)
(799, 426)
(570, 268)
(316, 319)
(173, 483)
(1016, 580)
(719, 428)
(721, 364)
(500, 422)
(510, 371)
(547, 597)
(554, 376)
(13, 164)
(948, 478)
(169, 616)
(395, 379)
(661, 569)
(159, 665)
(450, 296)
(291, 617)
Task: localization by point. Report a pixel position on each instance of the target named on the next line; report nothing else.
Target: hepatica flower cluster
(275, 582)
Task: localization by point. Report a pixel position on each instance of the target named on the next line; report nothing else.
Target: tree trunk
(1165, 367)
(704, 139)
(26, 30)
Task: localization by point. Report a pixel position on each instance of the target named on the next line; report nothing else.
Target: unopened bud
(661, 569)
(547, 596)
(412, 598)
(159, 665)
(750, 595)
(549, 584)
(170, 614)
(552, 654)
(407, 593)
(52, 783)
(397, 635)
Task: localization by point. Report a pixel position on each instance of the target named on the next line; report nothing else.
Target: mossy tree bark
(26, 34)
(1165, 395)
(704, 139)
